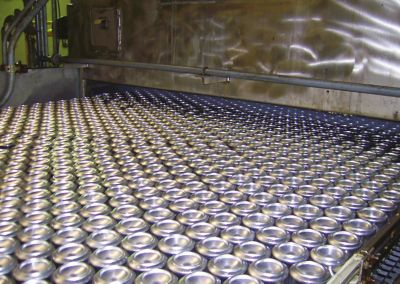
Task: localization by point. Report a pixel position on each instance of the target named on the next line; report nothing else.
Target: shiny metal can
(243, 208)
(186, 262)
(167, 227)
(98, 222)
(71, 252)
(330, 256)
(156, 276)
(276, 210)
(191, 217)
(309, 272)
(257, 221)
(34, 249)
(346, 241)
(200, 231)
(269, 270)
(291, 223)
(224, 220)
(139, 241)
(226, 266)
(322, 201)
(147, 259)
(114, 274)
(308, 212)
(213, 246)
(325, 225)
(237, 234)
(7, 264)
(290, 253)
(339, 213)
(69, 235)
(66, 220)
(106, 256)
(103, 238)
(131, 225)
(35, 232)
(251, 251)
(174, 244)
(272, 236)
(359, 227)
(262, 198)
(34, 268)
(199, 277)
(8, 245)
(373, 215)
(308, 238)
(182, 205)
(73, 273)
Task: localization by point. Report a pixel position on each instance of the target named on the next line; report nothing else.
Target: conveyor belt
(152, 186)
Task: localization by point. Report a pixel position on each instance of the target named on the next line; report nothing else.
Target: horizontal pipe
(276, 79)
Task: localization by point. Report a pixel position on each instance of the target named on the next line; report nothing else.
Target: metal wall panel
(352, 41)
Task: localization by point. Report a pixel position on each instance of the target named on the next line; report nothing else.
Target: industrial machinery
(205, 141)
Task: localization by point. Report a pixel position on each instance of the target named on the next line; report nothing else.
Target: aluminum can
(139, 241)
(359, 227)
(226, 266)
(322, 201)
(8, 245)
(308, 238)
(224, 220)
(251, 251)
(124, 211)
(69, 235)
(272, 236)
(257, 221)
(73, 272)
(66, 220)
(186, 262)
(34, 268)
(34, 249)
(114, 274)
(191, 217)
(231, 197)
(35, 232)
(237, 234)
(262, 198)
(308, 212)
(383, 204)
(242, 279)
(146, 259)
(291, 223)
(103, 238)
(182, 205)
(346, 241)
(330, 256)
(174, 244)
(98, 222)
(276, 210)
(71, 252)
(167, 227)
(290, 253)
(309, 272)
(213, 246)
(269, 270)
(213, 207)
(200, 231)
(156, 276)
(373, 215)
(325, 225)
(339, 213)
(199, 277)
(353, 202)
(153, 202)
(243, 208)
(8, 263)
(108, 255)
(131, 225)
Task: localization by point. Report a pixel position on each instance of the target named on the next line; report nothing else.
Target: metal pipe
(276, 79)
(11, 27)
(11, 51)
(54, 26)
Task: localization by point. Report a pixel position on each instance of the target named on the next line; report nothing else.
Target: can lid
(139, 241)
(224, 220)
(243, 208)
(7, 263)
(114, 274)
(153, 202)
(201, 230)
(273, 235)
(167, 227)
(95, 208)
(269, 270)
(108, 255)
(182, 204)
(65, 207)
(98, 222)
(328, 255)
(69, 235)
(359, 227)
(372, 214)
(242, 279)
(34, 268)
(226, 266)
(174, 244)
(291, 223)
(309, 272)
(192, 216)
(186, 262)
(71, 252)
(103, 238)
(383, 204)
(158, 214)
(325, 225)
(257, 220)
(73, 273)
(308, 238)
(156, 276)
(7, 245)
(8, 229)
(131, 225)
(237, 234)
(34, 249)
(147, 259)
(262, 198)
(290, 252)
(35, 232)
(213, 207)
(344, 240)
(213, 246)
(66, 220)
(199, 277)
(251, 251)
(308, 211)
(276, 210)
(339, 213)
